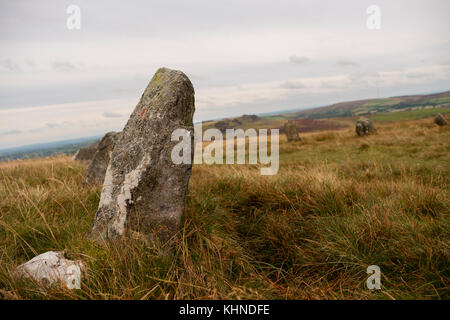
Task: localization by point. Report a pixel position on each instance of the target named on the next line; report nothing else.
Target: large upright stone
(440, 120)
(290, 128)
(144, 191)
(95, 173)
(363, 127)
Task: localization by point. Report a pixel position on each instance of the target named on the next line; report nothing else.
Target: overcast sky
(243, 56)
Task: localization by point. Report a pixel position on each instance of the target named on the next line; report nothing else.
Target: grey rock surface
(440, 120)
(51, 267)
(86, 154)
(363, 127)
(143, 190)
(95, 173)
(290, 129)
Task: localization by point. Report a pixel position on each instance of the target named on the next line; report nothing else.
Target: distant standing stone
(364, 126)
(86, 154)
(97, 168)
(290, 128)
(144, 191)
(440, 120)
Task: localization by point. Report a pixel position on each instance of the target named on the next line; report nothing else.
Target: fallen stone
(364, 126)
(143, 190)
(86, 154)
(51, 267)
(95, 173)
(290, 129)
(440, 120)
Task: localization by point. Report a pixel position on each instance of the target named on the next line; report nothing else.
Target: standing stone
(97, 168)
(290, 128)
(440, 120)
(144, 191)
(364, 126)
(86, 154)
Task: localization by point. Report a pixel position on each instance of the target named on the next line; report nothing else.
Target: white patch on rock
(50, 267)
(74, 157)
(105, 197)
(130, 182)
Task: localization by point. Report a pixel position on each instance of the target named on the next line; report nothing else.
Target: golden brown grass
(338, 204)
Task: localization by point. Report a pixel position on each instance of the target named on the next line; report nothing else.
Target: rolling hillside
(376, 106)
(343, 115)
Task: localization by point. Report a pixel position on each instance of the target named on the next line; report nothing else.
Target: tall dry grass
(338, 204)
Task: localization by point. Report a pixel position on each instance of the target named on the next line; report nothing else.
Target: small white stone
(50, 267)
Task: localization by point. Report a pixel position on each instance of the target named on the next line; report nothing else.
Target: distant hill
(375, 106)
(341, 115)
(46, 149)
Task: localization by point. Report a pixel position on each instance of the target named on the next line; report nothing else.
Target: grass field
(338, 204)
(409, 115)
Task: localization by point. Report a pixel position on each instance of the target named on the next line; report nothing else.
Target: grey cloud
(363, 76)
(52, 125)
(347, 63)
(418, 75)
(292, 85)
(298, 60)
(65, 66)
(118, 90)
(108, 114)
(31, 63)
(5, 133)
(158, 17)
(10, 65)
(327, 85)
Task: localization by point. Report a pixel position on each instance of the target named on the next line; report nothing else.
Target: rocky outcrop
(144, 191)
(97, 168)
(290, 129)
(364, 127)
